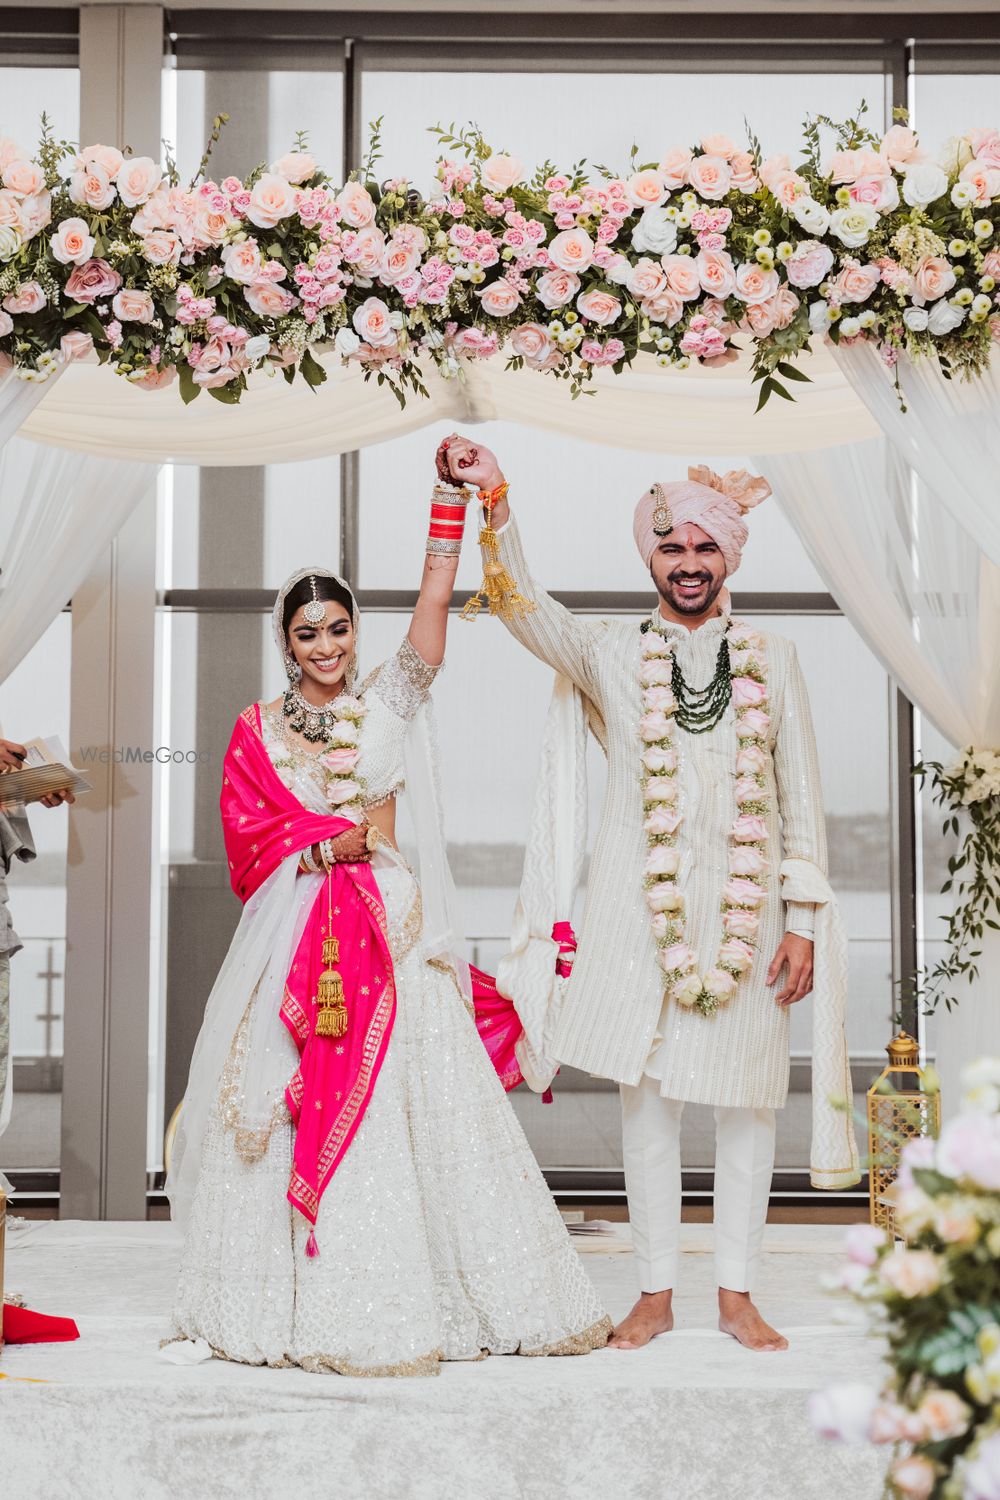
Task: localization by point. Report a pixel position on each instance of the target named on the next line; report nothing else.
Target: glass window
(948, 104)
(934, 849)
(37, 898)
(28, 93)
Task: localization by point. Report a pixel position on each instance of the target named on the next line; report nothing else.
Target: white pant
(744, 1161)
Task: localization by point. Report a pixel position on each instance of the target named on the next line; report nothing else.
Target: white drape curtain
(18, 399)
(919, 590)
(58, 511)
(949, 432)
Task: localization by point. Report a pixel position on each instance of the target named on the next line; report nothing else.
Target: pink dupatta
(264, 823)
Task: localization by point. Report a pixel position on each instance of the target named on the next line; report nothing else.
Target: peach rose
(365, 250)
(295, 166)
(162, 247)
(10, 151)
(911, 1273)
(92, 187)
(744, 177)
(556, 288)
(76, 345)
(899, 147)
(531, 341)
(108, 158)
(646, 189)
(774, 167)
(272, 198)
(72, 242)
(856, 283)
(682, 276)
(29, 298)
(36, 212)
(572, 250)
(716, 273)
(6, 326)
(500, 172)
(944, 1415)
(211, 228)
(674, 167)
(10, 209)
(355, 205)
(647, 278)
(754, 283)
(499, 298)
(933, 277)
(666, 307)
(373, 324)
(242, 261)
(23, 178)
(133, 306)
(788, 187)
(656, 673)
(718, 145)
(138, 178)
(914, 1476)
(95, 278)
(599, 307)
(269, 300)
(978, 174)
(710, 177)
(398, 260)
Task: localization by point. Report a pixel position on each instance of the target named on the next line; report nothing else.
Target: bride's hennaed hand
(350, 847)
(471, 463)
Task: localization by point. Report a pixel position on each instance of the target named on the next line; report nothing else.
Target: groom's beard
(690, 601)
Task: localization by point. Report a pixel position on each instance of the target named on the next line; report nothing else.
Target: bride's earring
(292, 669)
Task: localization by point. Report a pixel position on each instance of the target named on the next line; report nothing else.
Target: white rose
(944, 318)
(915, 319)
(257, 347)
(655, 232)
(923, 184)
(687, 990)
(853, 225)
(347, 341)
(344, 733)
(849, 327)
(619, 271)
(810, 215)
(962, 194)
(10, 241)
(818, 320)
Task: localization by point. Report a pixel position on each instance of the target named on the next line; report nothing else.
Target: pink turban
(716, 504)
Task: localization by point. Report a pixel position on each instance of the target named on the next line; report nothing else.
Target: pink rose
(809, 263)
(108, 158)
(6, 326)
(365, 250)
(398, 260)
(162, 247)
(23, 178)
(679, 957)
(718, 145)
(788, 187)
(969, 1150)
(572, 250)
(133, 306)
(76, 345)
(646, 278)
(93, 187)
(660, 760)
(373, 324)
(138, 177)
(646, 189)
(667, 307)
(682, 276)
(881, 192)
(747, 861)
(272, 198)
(268, 299)
(295, 166)
(716, 273)
(344, 759)
(750, 759)
(845, 166)
(856, 283)
(599, 307)
(531, 341)
(740, 924)
(654, 726)
(786, 305)
(933, 277)
(660, 700)
(72, 242)
(747, 692)
(556, 288)
(499, 299)
(979, 175)
(710, 177)
(674, 167)
(744, 178)
(95, 278)
(736, 954)
(355, 206)
(661, 820)
(773, 168)
(911, 1273)
(662, 859)
(754, 283)
(500, 172)
(743, 892)
(755, 722)
(899, 147)
(29, 298)
(656, 673)
(749, 829)
(34, 212)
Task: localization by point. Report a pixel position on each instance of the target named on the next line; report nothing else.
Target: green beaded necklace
(700, 709)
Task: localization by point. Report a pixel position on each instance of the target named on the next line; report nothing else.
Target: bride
(356, 1192)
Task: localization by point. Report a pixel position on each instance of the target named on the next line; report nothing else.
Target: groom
(707, 876)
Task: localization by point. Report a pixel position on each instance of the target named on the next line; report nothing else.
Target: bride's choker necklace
(314, 724)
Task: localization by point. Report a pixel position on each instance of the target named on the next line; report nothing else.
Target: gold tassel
(498, 590)
(331, 1017)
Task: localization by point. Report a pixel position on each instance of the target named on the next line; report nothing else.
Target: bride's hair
(327, 589)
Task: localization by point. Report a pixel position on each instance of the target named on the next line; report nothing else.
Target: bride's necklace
(314, 724)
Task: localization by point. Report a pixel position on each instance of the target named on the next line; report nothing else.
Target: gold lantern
(903, 1103)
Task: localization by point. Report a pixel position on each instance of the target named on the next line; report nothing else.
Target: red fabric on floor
(22, 1326)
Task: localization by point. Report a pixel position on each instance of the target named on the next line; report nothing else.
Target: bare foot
(739, 1317)
(652, 1314)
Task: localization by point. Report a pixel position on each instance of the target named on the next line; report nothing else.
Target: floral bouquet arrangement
(566, 272)
(936, 1303)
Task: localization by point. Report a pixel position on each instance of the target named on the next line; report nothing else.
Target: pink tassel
(547, 1097)
(312, 1249)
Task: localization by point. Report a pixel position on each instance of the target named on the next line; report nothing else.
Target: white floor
(692, 1417)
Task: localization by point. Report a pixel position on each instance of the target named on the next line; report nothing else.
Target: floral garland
(745, 890)
(343, 788)
(567, 272)
(936, 1304)
(972, 787)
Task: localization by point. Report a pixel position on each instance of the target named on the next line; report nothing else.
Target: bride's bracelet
(448, 506)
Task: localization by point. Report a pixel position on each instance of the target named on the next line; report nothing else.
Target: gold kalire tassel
(497, 590)
(331, 1017)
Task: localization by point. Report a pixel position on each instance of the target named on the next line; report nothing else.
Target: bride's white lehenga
(438, 1237)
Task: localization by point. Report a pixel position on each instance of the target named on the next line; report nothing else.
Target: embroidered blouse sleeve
(800, 798)
(403, 683)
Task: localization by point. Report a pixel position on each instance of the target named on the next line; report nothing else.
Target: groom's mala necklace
(700, 709)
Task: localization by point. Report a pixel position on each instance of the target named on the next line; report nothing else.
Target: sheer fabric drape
(926, 599)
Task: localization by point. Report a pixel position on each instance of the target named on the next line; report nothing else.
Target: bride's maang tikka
(314, 611)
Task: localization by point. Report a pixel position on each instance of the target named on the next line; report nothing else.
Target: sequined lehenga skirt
(438, 1237)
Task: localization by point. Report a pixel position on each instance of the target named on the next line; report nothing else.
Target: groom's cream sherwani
(613, 1020)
